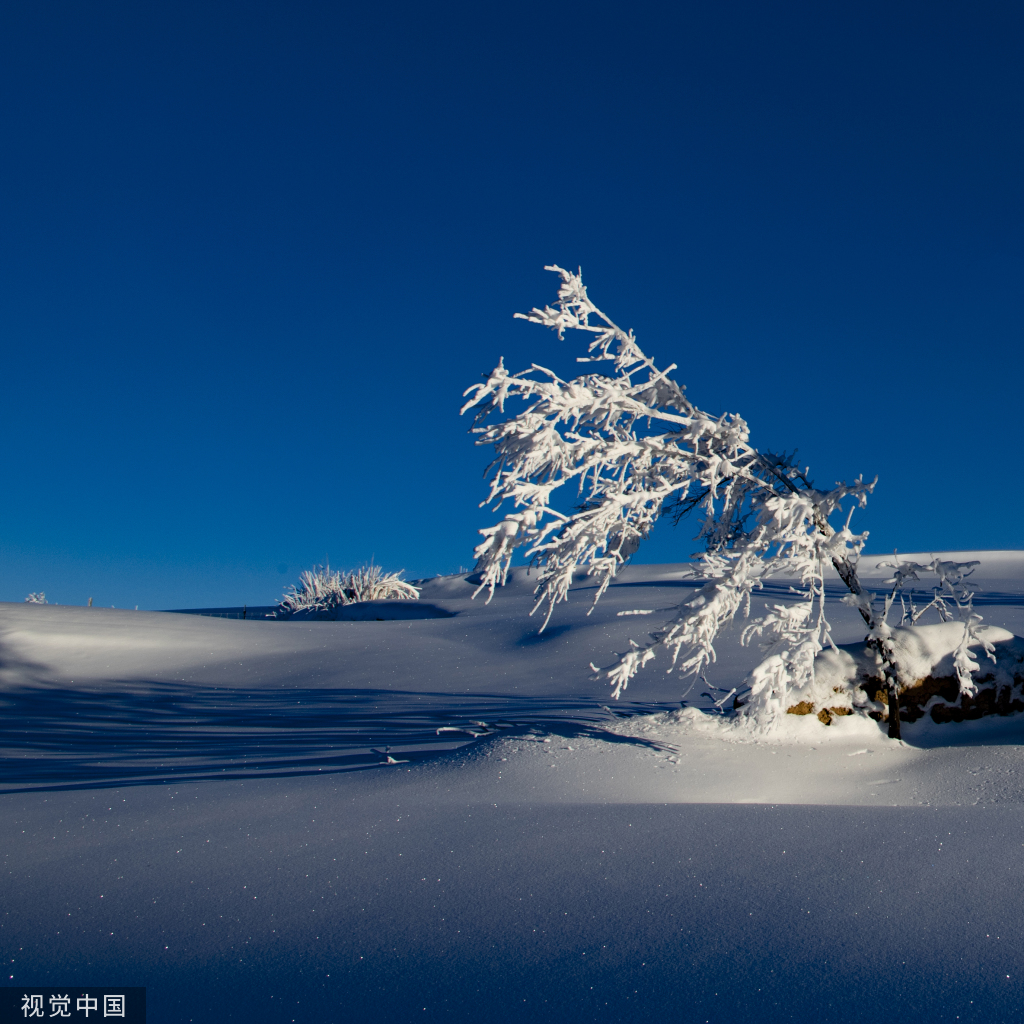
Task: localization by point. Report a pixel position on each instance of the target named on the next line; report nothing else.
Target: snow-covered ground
(202, 806)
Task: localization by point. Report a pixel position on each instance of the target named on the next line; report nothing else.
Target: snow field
(639, 868)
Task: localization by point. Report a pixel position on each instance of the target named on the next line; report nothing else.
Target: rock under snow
(847, 679)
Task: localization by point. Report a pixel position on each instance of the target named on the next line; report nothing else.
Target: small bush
(322, 590)
(372, 583)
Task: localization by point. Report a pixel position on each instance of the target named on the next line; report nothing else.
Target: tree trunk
(894, 712)
(847, 571)
(848, 574)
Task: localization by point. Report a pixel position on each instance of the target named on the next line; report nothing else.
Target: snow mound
(847, 679)
(677, 728)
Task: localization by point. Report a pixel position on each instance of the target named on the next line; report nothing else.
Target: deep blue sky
(253, 253)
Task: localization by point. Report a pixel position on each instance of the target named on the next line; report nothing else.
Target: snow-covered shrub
(39, 598)
(633, 446)
(318, 589)
(321, 590)
(372, 583)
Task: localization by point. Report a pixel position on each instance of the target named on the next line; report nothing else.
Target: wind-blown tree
(634, 447)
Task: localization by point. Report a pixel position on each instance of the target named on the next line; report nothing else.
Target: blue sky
(251, 255)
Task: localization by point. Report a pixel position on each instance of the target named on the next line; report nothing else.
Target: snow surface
(200, 805)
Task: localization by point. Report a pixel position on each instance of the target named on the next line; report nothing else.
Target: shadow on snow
(71, 739)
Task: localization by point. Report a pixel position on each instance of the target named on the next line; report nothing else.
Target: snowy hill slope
(180, 811)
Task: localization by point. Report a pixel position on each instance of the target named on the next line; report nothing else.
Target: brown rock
(805, 707)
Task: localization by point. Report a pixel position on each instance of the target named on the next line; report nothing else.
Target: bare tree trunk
(848, 574)
(894, 712)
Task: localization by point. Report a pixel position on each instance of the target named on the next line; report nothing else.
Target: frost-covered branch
(631, 443)
(951, 589)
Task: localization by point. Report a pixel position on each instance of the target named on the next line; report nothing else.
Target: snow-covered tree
(633, 447)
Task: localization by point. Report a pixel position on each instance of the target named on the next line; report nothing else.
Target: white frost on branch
(632, 445)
